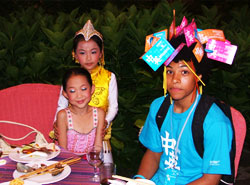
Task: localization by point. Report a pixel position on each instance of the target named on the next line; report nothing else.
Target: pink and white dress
(79, 143)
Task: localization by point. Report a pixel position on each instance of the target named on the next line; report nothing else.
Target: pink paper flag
(189, 35)
(222, 51)
(179, 29)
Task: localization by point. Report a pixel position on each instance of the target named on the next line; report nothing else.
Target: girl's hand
(104, 128)
(55, 130)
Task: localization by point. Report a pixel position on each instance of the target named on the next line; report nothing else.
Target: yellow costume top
(101, 78)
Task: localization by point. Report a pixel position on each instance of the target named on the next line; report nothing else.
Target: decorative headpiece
(88, 31)
(158, 50)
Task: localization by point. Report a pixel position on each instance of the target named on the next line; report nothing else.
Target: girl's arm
(62, 103)
(101, 118)
(149, 164)
(62, 127)
(112, 98)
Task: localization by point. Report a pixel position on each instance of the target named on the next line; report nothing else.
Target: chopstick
(41, 171)
(130, 180)
(73, 161)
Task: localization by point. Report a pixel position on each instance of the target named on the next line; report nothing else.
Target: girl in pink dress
(79, 125)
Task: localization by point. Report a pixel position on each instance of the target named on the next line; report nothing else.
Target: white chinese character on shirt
(169, 146)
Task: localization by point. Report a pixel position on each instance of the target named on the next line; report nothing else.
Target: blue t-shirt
(217, 143)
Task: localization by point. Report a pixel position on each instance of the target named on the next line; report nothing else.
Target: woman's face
(181, 82)
(88, 54)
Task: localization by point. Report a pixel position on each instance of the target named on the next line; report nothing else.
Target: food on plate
(30, 148)
(17, 181)
(57, 170)
(39, 168)
(24, 168)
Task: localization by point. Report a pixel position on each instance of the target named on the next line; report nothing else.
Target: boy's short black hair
(203, 67)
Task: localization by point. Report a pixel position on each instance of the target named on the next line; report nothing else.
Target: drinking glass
(95, 159)
(106, 172)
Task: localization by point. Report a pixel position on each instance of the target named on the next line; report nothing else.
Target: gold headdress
(88, 31)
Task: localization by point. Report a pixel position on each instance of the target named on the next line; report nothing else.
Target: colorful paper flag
(204, 35)
(158, 54)
(172, 27)
(222, 51)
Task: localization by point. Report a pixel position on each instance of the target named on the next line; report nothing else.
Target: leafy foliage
(36, 47)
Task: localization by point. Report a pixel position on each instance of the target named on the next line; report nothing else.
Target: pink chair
(32, 104)
(240, 134)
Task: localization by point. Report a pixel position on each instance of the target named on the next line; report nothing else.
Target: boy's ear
(92, 89)
(200, 76)
(64, 94)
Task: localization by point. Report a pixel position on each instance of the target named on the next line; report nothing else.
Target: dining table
(81, 172)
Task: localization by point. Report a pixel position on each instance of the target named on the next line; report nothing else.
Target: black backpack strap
(227, 111)
(162, 112)
(198, 135)
(197, 126)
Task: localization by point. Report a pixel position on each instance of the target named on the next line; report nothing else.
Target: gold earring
(76, 61)
(74, 58)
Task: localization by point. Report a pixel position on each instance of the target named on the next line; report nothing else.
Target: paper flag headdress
(209, 43)
(88, 31)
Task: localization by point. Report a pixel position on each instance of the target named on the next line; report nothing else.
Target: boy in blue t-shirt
(171, 157)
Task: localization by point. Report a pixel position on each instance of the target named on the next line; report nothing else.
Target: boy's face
(181, 82)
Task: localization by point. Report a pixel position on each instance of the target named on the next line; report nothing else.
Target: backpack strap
(227, 111)
(202, 109)
(162, 112)
(197, 126)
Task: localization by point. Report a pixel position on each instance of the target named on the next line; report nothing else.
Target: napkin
(116, 182)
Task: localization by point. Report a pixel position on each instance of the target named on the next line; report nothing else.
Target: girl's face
(181, 82)
(88, 54)
(78, 91)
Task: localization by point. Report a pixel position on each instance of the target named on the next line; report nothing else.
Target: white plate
(46, 178)
(19, 157)
(25, 183)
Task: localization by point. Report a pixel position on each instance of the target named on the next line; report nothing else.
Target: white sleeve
(62, 103)
(113, 99)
